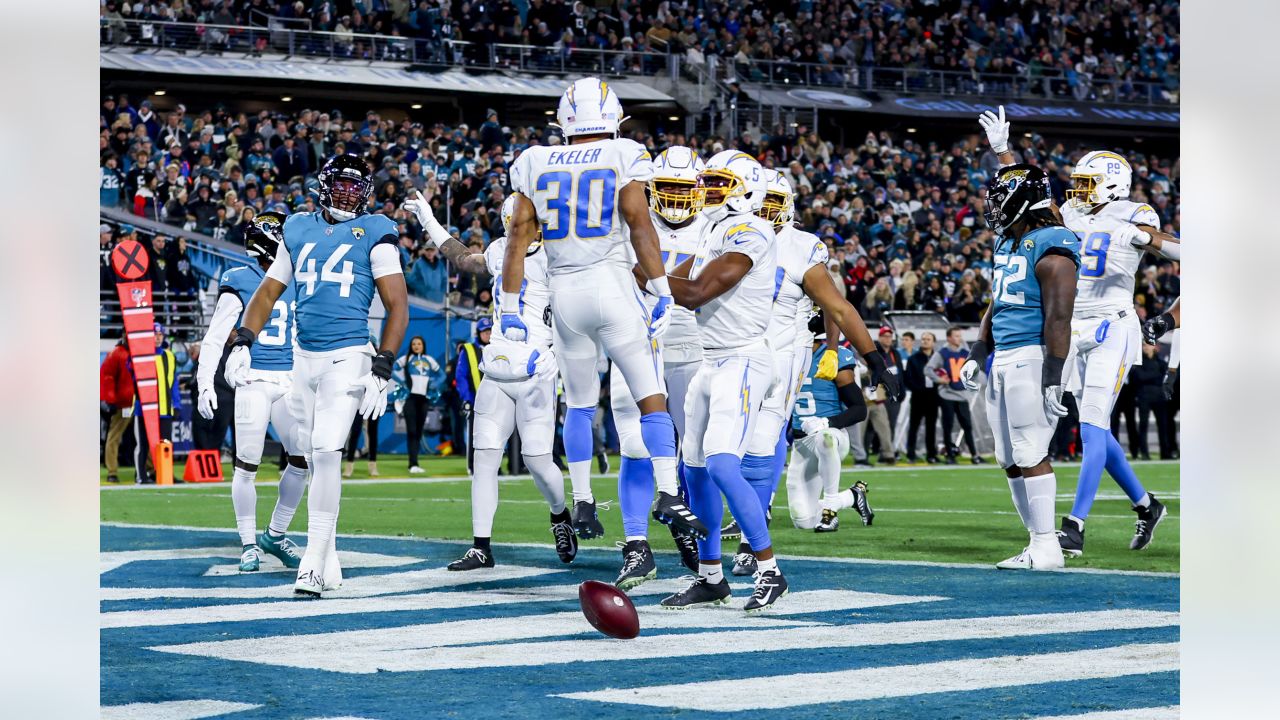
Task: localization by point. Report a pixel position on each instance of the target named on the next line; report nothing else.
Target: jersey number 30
(305, 272)
(567, 195)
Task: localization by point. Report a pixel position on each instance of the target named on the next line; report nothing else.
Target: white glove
(997, 129)
(206, 403)
(814, 424)
(969, 375)
(421, 208)
(373, 391)
(237, 372)
(1053, 407)
(1132, 235)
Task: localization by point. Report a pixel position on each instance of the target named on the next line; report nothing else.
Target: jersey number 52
(1009, 269)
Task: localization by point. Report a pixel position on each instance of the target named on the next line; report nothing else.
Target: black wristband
(244, 337)
(978, 353)
(382, 363)
(1052, 372)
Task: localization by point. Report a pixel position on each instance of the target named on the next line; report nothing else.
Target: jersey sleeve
(493, 256)
(1144, 215)
(520, 172)
(635, 163)
(381, 229)
(845, 359)
(749, 241)
(1056, 241)
(818, 255)
(286, 230)
(227, 283)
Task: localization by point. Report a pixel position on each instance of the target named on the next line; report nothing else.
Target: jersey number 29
(305, 272)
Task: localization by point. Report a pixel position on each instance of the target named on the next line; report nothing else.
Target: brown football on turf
(609, 610)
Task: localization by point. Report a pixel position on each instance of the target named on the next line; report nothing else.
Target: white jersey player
(262, 400)
(680, 227)
(730, 282)
(588, 198)
(517, 392)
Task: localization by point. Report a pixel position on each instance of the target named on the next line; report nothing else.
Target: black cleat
(744, 564)
(602, 463)
(863, 462)
(731, 531)
(700, 592)
(1148, 518)
(1071, 538)
(770, 586)
(977, 460)
(566, 541)
(860, 503)
(830, 522)
(474, 559)
(586, 522)
(637, 565)
(672, 510)
(687, 545)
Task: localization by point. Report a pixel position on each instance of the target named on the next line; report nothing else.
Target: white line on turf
(110, 560)
(898, 681)
(1167, 712)
(173, 710)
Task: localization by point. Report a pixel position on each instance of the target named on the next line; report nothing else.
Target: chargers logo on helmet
(1100, 176)
(732, 183)
(779, 202)
(589, 107)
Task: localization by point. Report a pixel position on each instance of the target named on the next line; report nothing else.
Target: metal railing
(181, 314)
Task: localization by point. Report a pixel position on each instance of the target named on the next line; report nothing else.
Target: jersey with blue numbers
(575, 190)
(273, 350)
(797, 252)
(1107, 269)
(820, 398)
(1017, 317)
(535, 293)
(333, 276)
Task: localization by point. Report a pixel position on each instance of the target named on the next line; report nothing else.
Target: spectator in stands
(924, 400)
(116, 396)
(111, 182)
(428, 275)
(952, 395)
(106, 274)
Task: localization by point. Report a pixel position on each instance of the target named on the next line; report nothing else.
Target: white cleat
(1021, 561)
(309, 584)
(1035, 558)
(332, 571)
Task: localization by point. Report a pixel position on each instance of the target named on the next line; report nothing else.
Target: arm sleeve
(384, 259)
(281, 268)
(221, 324)
(855, 407)
(1175, 349)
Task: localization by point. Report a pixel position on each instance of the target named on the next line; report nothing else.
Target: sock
(1122, 472)
(484, 489)
(560, 517)
(1040, 497)
(1095, 456)
(758, 472)
(292, 484)
(480, 542)
(1144, 501)
(764, 565)
(704, 501)
(659, 434)
(548, 478)
(726, 472)
(635, 495)
(244, 500)
(713, 573)
(634, 538)
(839, 501)
(1018, 489)
(579, 451)
(323, 500)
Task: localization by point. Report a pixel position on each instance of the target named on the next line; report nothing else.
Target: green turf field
(931, 513)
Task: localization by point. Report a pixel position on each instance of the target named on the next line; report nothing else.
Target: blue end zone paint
(132, 673)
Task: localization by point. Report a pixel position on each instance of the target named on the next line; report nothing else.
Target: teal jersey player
(1017, 318)
(273, 349)
(820, 398)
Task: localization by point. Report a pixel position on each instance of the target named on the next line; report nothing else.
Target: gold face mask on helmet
(715, 187)
(673, 199)
(1084, 190)
(776, 208)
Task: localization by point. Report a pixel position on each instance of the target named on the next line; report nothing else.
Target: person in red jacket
(116, 395)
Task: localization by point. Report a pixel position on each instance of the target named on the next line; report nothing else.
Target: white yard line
(1168, 712)
(173, 710)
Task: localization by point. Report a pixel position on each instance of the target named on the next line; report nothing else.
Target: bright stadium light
(673, 118)
(548, 112)
(286, 98)
(911, 130)
(416, 106)
(158, 92)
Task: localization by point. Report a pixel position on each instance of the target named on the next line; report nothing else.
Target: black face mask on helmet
(1013, 193)
(345, 186)
(263, 237)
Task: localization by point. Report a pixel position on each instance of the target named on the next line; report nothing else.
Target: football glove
(1170, 380)
(1132, 235)
(812, 425)
(660, 317)
(373, 387)
(237, 370)
(886, 374)
(206, 403)
(1051, 382)
(997, 129)
(969, 376)
(1156, 327)
(827, 368)
(421, 208)
(509, 322)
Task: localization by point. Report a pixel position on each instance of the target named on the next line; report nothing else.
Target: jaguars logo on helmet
(263, 236)
(1014, 192)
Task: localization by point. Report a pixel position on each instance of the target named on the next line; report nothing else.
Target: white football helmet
(733, 183)
(779, 202)
(507, 213)
(589, 107)
(674, 184)
(1101, 176)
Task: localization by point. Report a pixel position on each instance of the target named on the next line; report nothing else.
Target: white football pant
(724, 401)
(1103, 350)
(814, 472)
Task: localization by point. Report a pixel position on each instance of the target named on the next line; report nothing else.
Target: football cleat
(830, 522)
(281, 547)
(1071, 538)
(770, 587)
(744, 564)
(731, 531)
(637, 565)
(473, 559)
(250, 558)
(602, 463)
(860, 503)
(332, 570)
(586, 522)
(671, 510)
(1021, 561)
(566, 541)
(309, 584)
(1148, 518)
(1038, 555)
(687, 544)
(700, 592)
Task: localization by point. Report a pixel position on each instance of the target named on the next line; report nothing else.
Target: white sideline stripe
(808, 601)
(899, 681)
(321, 653)
(357, 587)
(350, 559)
(1168, 712)
(173, 710)
(583, 549)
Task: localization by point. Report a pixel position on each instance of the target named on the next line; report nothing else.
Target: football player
(1027, 332)
(588, 199)
(1155, 328)
(823, 408)
(1105, 335)
(335, 259)
(517, 392)
(262, 399)
(680, 226)
(730, 283)
(801, 281)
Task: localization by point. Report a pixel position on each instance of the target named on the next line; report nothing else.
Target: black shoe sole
(636, 580)
(1164, 511)
(706, 603)
(762, 608)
